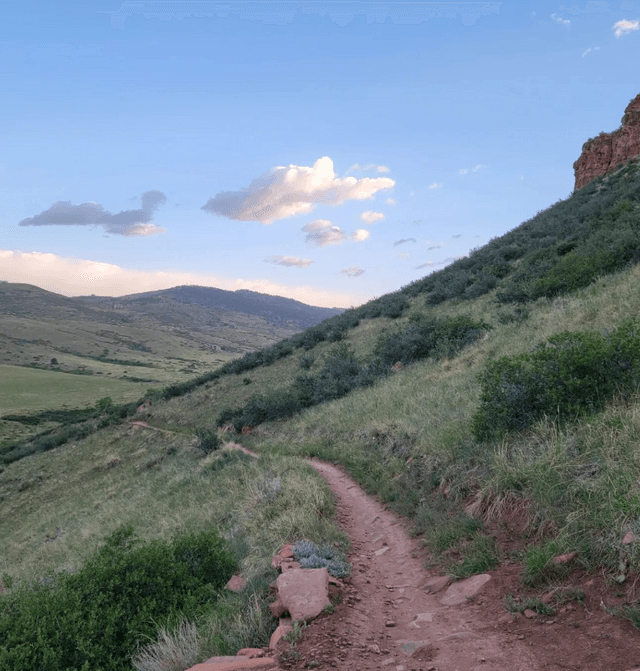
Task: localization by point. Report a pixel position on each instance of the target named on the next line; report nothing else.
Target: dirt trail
(387, 613)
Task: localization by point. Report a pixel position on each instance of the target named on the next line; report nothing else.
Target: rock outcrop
(607, 151)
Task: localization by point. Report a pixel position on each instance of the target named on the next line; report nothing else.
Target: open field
(25, 390)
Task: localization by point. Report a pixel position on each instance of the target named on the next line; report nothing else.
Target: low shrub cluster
(95, 619)
(310, 555)
(571, 374)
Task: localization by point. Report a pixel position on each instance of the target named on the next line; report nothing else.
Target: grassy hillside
(495, 403)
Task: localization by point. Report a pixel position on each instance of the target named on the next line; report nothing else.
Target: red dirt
(476, 635)
(384, 606)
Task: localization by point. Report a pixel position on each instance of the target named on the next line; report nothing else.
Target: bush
(310, 555)
(209, 441)
(95, 619)
(567, 376)
(424, 337)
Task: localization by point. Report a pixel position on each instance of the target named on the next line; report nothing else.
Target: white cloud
(370, 217)
(354, 271)
(404, 255)
(480, 166)
(624, 27)
(81, 277)
(558, 19)
(128, 222)
(435, 185)
(390, 201)
(288, 261)
(464, 171)
(321, 233)
(284, 192)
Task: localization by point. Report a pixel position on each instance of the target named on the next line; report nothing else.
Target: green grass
(24, 390)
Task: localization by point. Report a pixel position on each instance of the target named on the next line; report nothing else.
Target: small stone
(438, 584)
(547, 598)
(381, 551)
(387, 662)
(460, 592)
(528, 613)
(565, 558)
(390, 623)
(629, 538)
(374, 648)
(251, 653)
(236, 583)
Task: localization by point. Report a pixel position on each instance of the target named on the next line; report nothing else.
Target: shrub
(310, 555)
(209, 441)
(571, 374)
(96, 618)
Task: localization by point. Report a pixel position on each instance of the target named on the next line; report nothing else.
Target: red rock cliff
(609, 150)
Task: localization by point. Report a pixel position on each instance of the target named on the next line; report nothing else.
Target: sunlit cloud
(370, 217)
(354, 271)
(288, 261)
(464, 171)
(589, 50)
(435, 185)
(559, 19)
(81, 277)
(625, 27)
(390, 201)
(403, 241)
(322, 234)
(480, 166)
(286, 191)
(128, 222)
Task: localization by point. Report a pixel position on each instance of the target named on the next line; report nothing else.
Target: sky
(325, 151)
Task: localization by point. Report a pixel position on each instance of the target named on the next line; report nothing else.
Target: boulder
(304, 592)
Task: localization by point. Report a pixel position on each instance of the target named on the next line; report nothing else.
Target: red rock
(629, 538)
(277, 608)
(528, 613)
(304, 592)
(607, 151)
(236, 583)
(236, 664)
(565, 558)
(283, 629)
(460, 592)
(289, 566)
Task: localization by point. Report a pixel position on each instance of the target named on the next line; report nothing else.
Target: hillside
(494, 404)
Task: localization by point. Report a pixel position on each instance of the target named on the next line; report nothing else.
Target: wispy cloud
(624, 27)
(464, 171)
(356, 167)
(390, 201)
(370, 217)
(445, 262)
(403, 241)
(404, 255)
(457, 235)
(286, 191)
(589, 50)
(354, 271)
(128, 222)
(321, 233)
(480, 166)
(435, 185)
(288, 261)
(440, 245)
(559, 19)
(80, 277)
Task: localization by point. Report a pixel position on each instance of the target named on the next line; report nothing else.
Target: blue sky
(325, 151)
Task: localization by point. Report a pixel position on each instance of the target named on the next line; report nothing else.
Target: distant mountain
(275, 309)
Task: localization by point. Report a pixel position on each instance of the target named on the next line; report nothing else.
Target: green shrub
(310, 555)
(94, 620)
(569, 375)
(424, 337)
(209, 440)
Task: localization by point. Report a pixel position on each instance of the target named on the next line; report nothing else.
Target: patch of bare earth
(388, 621)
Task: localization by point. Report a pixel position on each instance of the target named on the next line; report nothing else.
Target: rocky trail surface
(394, 615)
